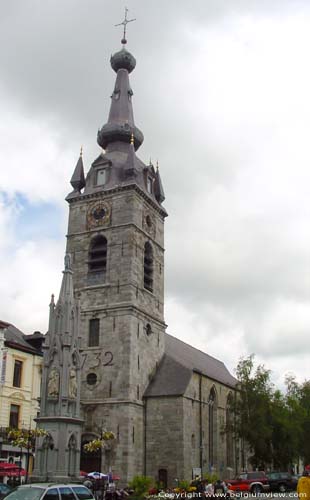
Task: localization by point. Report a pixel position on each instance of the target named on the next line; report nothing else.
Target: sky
(221, 93)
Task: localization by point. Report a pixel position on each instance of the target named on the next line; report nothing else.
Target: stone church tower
(116, 240)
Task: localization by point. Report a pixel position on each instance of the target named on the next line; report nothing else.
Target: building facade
(20, 380)
(166, 402)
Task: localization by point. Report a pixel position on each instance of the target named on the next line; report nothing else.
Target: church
(167, 403)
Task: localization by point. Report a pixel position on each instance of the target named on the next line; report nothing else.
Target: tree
(253, 410)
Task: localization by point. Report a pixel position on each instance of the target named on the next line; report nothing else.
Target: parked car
(253, 482)
(281, 481)
(4, 490)
(42, 491)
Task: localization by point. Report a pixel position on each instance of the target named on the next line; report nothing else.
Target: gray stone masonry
(173, 432)
(126, 357)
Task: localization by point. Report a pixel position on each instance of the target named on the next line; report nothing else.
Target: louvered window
(98, 254)
(93, 339)
(148, 266)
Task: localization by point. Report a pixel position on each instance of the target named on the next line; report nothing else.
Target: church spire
(78, 178)
(121, 125)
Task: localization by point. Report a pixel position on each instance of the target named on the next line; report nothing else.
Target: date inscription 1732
(95, 359)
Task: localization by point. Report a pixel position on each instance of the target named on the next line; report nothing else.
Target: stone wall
(128, 352)
(165, 437)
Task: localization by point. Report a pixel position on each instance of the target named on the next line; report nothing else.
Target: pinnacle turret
(78, 178)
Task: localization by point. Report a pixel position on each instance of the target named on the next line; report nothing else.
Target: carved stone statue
(72, 384)
(53, 383)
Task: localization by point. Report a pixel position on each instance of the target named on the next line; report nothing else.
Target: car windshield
(82, 492)
(29, 493)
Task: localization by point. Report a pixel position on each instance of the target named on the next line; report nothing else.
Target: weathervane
(124, 23)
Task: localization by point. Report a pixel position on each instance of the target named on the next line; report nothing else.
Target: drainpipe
(145, 433)
(200, 420)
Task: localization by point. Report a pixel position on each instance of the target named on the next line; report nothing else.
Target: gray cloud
(221, 94)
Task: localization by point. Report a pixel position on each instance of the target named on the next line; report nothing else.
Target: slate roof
(177, 365)
(16, 339)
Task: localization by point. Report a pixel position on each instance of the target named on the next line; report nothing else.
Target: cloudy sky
(221, 92)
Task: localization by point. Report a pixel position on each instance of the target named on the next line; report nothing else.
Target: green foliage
(211, 477)
(100, 443)
(253, 409)
(25, 438)
(275, 425)
(140, 485)
(184, 485)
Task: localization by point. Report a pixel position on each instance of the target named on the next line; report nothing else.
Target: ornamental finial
(132, 139)
(81, 151)
(124, 23)
(157, 167)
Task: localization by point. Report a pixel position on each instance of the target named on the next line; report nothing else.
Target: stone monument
(58, 452)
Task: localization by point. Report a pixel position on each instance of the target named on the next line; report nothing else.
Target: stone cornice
(117, 189)
(125, 307)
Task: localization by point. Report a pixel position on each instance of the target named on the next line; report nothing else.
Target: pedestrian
(303, 485)
(209, 490)
(88, 484)
(220, 488)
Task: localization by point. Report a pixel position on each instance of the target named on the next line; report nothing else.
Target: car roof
(50, 485)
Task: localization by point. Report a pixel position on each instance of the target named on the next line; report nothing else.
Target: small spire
(78, 178)
(150, 163)
(124, 23)
(52, 300)
(81, 151)
(158, 187)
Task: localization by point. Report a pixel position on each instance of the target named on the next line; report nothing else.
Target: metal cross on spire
(124, 23)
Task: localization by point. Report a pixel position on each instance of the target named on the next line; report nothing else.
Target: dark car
(281, 481)
(4, 490)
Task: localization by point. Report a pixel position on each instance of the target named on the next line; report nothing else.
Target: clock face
(98, 214)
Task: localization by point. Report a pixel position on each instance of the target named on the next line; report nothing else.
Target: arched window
(148, 266)
(97, 259)
(229, 431)
(212, 427)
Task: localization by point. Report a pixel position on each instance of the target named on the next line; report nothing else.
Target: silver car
(51, 491)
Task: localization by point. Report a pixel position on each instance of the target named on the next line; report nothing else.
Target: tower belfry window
(148, 266)
(97, 261)
(150, 184)
(101, 177)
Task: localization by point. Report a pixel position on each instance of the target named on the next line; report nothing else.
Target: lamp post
(1, 443)
(20, 465)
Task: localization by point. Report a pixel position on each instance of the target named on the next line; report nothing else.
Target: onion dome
(123, 60)
(120, 125)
